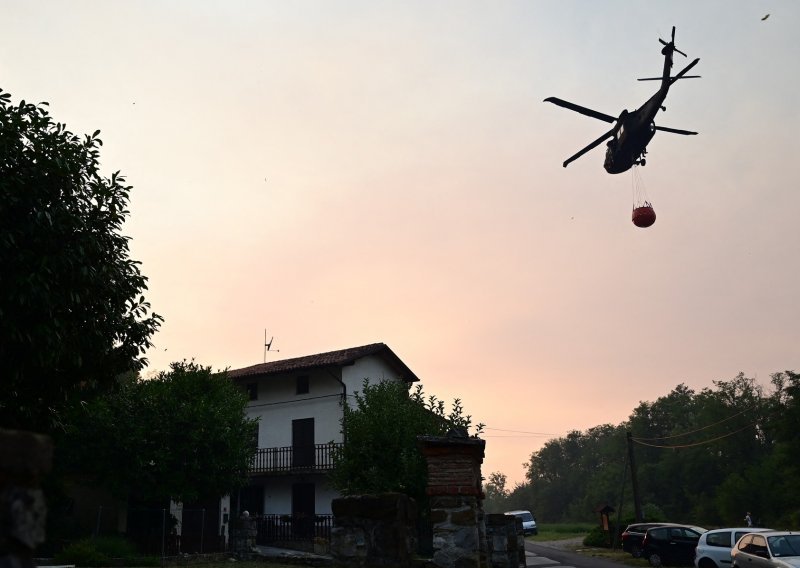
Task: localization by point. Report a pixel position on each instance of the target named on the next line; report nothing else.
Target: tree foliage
(703, 457)
(380, 430)
(182, 435)
(495, 492)
(72, 313)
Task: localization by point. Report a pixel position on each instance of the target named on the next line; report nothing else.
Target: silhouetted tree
(72, 313)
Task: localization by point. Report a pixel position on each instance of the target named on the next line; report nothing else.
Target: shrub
(114, 547)
(597, 538)
(82, 553)
(103, 551)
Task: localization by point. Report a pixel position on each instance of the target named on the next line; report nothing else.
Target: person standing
(748, 520)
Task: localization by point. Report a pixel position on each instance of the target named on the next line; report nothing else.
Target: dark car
(673, 544)
(633, 535)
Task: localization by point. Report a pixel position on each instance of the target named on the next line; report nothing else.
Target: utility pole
(637, 504)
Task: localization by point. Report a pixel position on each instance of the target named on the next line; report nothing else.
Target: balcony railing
(290, 459)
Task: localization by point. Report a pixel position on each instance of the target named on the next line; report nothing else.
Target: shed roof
(339, 358)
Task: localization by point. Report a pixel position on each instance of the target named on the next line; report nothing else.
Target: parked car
(633, 535)
(770, 549)
(714, 547)
(673, 544)
(528, 522)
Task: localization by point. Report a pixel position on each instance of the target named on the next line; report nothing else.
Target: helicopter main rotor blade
(684, 71)
(671, 78)
(594, 144)
(580, 109)
(676, 131)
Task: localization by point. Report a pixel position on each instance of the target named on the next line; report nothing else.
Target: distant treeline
(704, 457)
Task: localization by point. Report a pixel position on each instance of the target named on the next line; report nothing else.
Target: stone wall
(24, 458)
(374, 530)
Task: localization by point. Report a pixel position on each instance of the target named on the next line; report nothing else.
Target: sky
(340, 173)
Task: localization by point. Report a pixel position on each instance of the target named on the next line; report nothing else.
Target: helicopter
(632, 131)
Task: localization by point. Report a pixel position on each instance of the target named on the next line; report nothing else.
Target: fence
(157, 532)
(293, 529)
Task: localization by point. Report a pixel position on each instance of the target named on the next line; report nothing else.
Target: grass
(561, 531)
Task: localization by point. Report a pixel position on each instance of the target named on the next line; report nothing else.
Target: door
(682, 544)
(250, 499)
(303, 443)
(303, 510)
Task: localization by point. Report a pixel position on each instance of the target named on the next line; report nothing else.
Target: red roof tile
(338, 358)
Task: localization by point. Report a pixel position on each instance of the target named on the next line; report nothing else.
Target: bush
(103, 551)
(597, 538)
(114, 547)
(82, 553)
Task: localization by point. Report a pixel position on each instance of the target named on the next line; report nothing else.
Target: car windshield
(525, 516)
(785, 545)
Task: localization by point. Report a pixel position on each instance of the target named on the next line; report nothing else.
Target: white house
(299, 406)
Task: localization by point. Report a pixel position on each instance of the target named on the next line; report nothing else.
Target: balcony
(294, 459)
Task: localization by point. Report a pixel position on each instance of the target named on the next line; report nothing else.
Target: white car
(714, 547)
(528, 522)
(768, 549)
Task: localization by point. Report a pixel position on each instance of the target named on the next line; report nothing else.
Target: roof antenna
(268, 346)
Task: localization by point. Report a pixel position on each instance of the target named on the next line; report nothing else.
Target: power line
(637, 439)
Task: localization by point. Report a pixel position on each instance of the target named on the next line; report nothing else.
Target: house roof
(338, 358)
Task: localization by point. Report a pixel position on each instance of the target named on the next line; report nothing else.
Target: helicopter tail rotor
(671, 44)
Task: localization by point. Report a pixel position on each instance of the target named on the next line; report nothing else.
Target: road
(549, 556)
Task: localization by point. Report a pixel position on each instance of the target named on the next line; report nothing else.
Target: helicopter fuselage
(632, 135)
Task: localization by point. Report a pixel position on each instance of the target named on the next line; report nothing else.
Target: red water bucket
(643, 216)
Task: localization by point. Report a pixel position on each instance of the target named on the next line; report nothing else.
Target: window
(302, 384)
(759, 546)
(252, 391)
(745, 544)
(719, 539)
(659, 534)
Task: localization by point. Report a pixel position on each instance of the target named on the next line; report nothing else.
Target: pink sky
(343, 173)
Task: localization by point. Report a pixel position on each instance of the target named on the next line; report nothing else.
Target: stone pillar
(24, 458)
(243, 536)
(506, 548)
(454, 489)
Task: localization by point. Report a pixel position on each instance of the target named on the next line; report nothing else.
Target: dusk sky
(342, 173)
